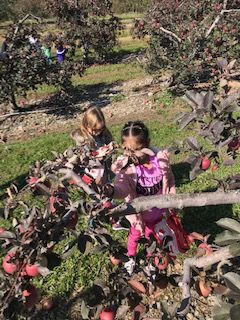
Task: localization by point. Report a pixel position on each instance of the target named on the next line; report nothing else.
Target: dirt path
(121, 102)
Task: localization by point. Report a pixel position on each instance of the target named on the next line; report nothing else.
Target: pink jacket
(126, 179)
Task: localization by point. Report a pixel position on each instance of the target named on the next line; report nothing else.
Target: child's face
(130, 143)
(97, 130)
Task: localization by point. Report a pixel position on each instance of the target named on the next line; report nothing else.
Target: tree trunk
(12, 99)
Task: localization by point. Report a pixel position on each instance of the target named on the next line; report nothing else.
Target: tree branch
(69, 174)
(224, 10)
(177, 201)
(27, 16)
(224, 253)
(171, 34)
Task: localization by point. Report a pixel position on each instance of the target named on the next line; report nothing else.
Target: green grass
(130, 16)
(109, 74)
(80, 270)
(100, 75)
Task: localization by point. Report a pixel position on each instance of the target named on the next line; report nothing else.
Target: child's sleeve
(168, 177)
(124, 184)
(125, 180)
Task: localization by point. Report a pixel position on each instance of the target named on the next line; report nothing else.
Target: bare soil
(121, 102)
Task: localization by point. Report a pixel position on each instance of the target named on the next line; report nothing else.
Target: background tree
(6, 9)
(15, 9)
(187, 37)
(90, 21)
(25, 67)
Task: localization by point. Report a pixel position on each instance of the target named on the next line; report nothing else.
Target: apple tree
(187, 37)
(91, 22)
(24, 67)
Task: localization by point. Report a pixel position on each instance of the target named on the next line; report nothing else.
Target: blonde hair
(92, 118)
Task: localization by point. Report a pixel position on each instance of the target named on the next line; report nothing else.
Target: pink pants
(142, 223)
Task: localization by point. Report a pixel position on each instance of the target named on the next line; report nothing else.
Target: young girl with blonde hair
(93, 129)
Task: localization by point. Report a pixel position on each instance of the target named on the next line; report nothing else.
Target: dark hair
(136, 129)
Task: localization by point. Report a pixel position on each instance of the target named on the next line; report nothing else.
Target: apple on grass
(205, 163)
(107, 314)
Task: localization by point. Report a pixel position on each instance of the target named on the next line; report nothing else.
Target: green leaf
(222, 312)
(235, 249)
(84, 310)
(84, 243)
(230, 224)
(232, 280)
(235, 312)
(226, 238)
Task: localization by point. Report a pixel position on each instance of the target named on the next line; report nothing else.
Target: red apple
(214, 167)
(208, 249)
(32, 270)
(107, 314)
(9, 267)
(203, 289)
(115, 261)
(205, 163)
(161, 262)
(2, 230)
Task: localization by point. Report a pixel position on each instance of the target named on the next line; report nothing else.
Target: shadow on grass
(124, 55)
(200, 219)
(19, 181)
(181, 173)
(69, 103)
(203, 219)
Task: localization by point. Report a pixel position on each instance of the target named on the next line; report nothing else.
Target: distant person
(4, 49)
(46, 50)
(61, 51)
(34, 42)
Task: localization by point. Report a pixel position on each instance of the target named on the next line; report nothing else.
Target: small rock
(196, 313)
(190, 316)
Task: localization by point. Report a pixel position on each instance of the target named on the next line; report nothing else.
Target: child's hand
(108, 190)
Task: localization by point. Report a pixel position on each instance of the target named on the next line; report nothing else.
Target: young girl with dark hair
(140, 172)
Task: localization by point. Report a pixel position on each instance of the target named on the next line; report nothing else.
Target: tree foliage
(90, 21)
(187, 37)
(24, 66)
(15, 9)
